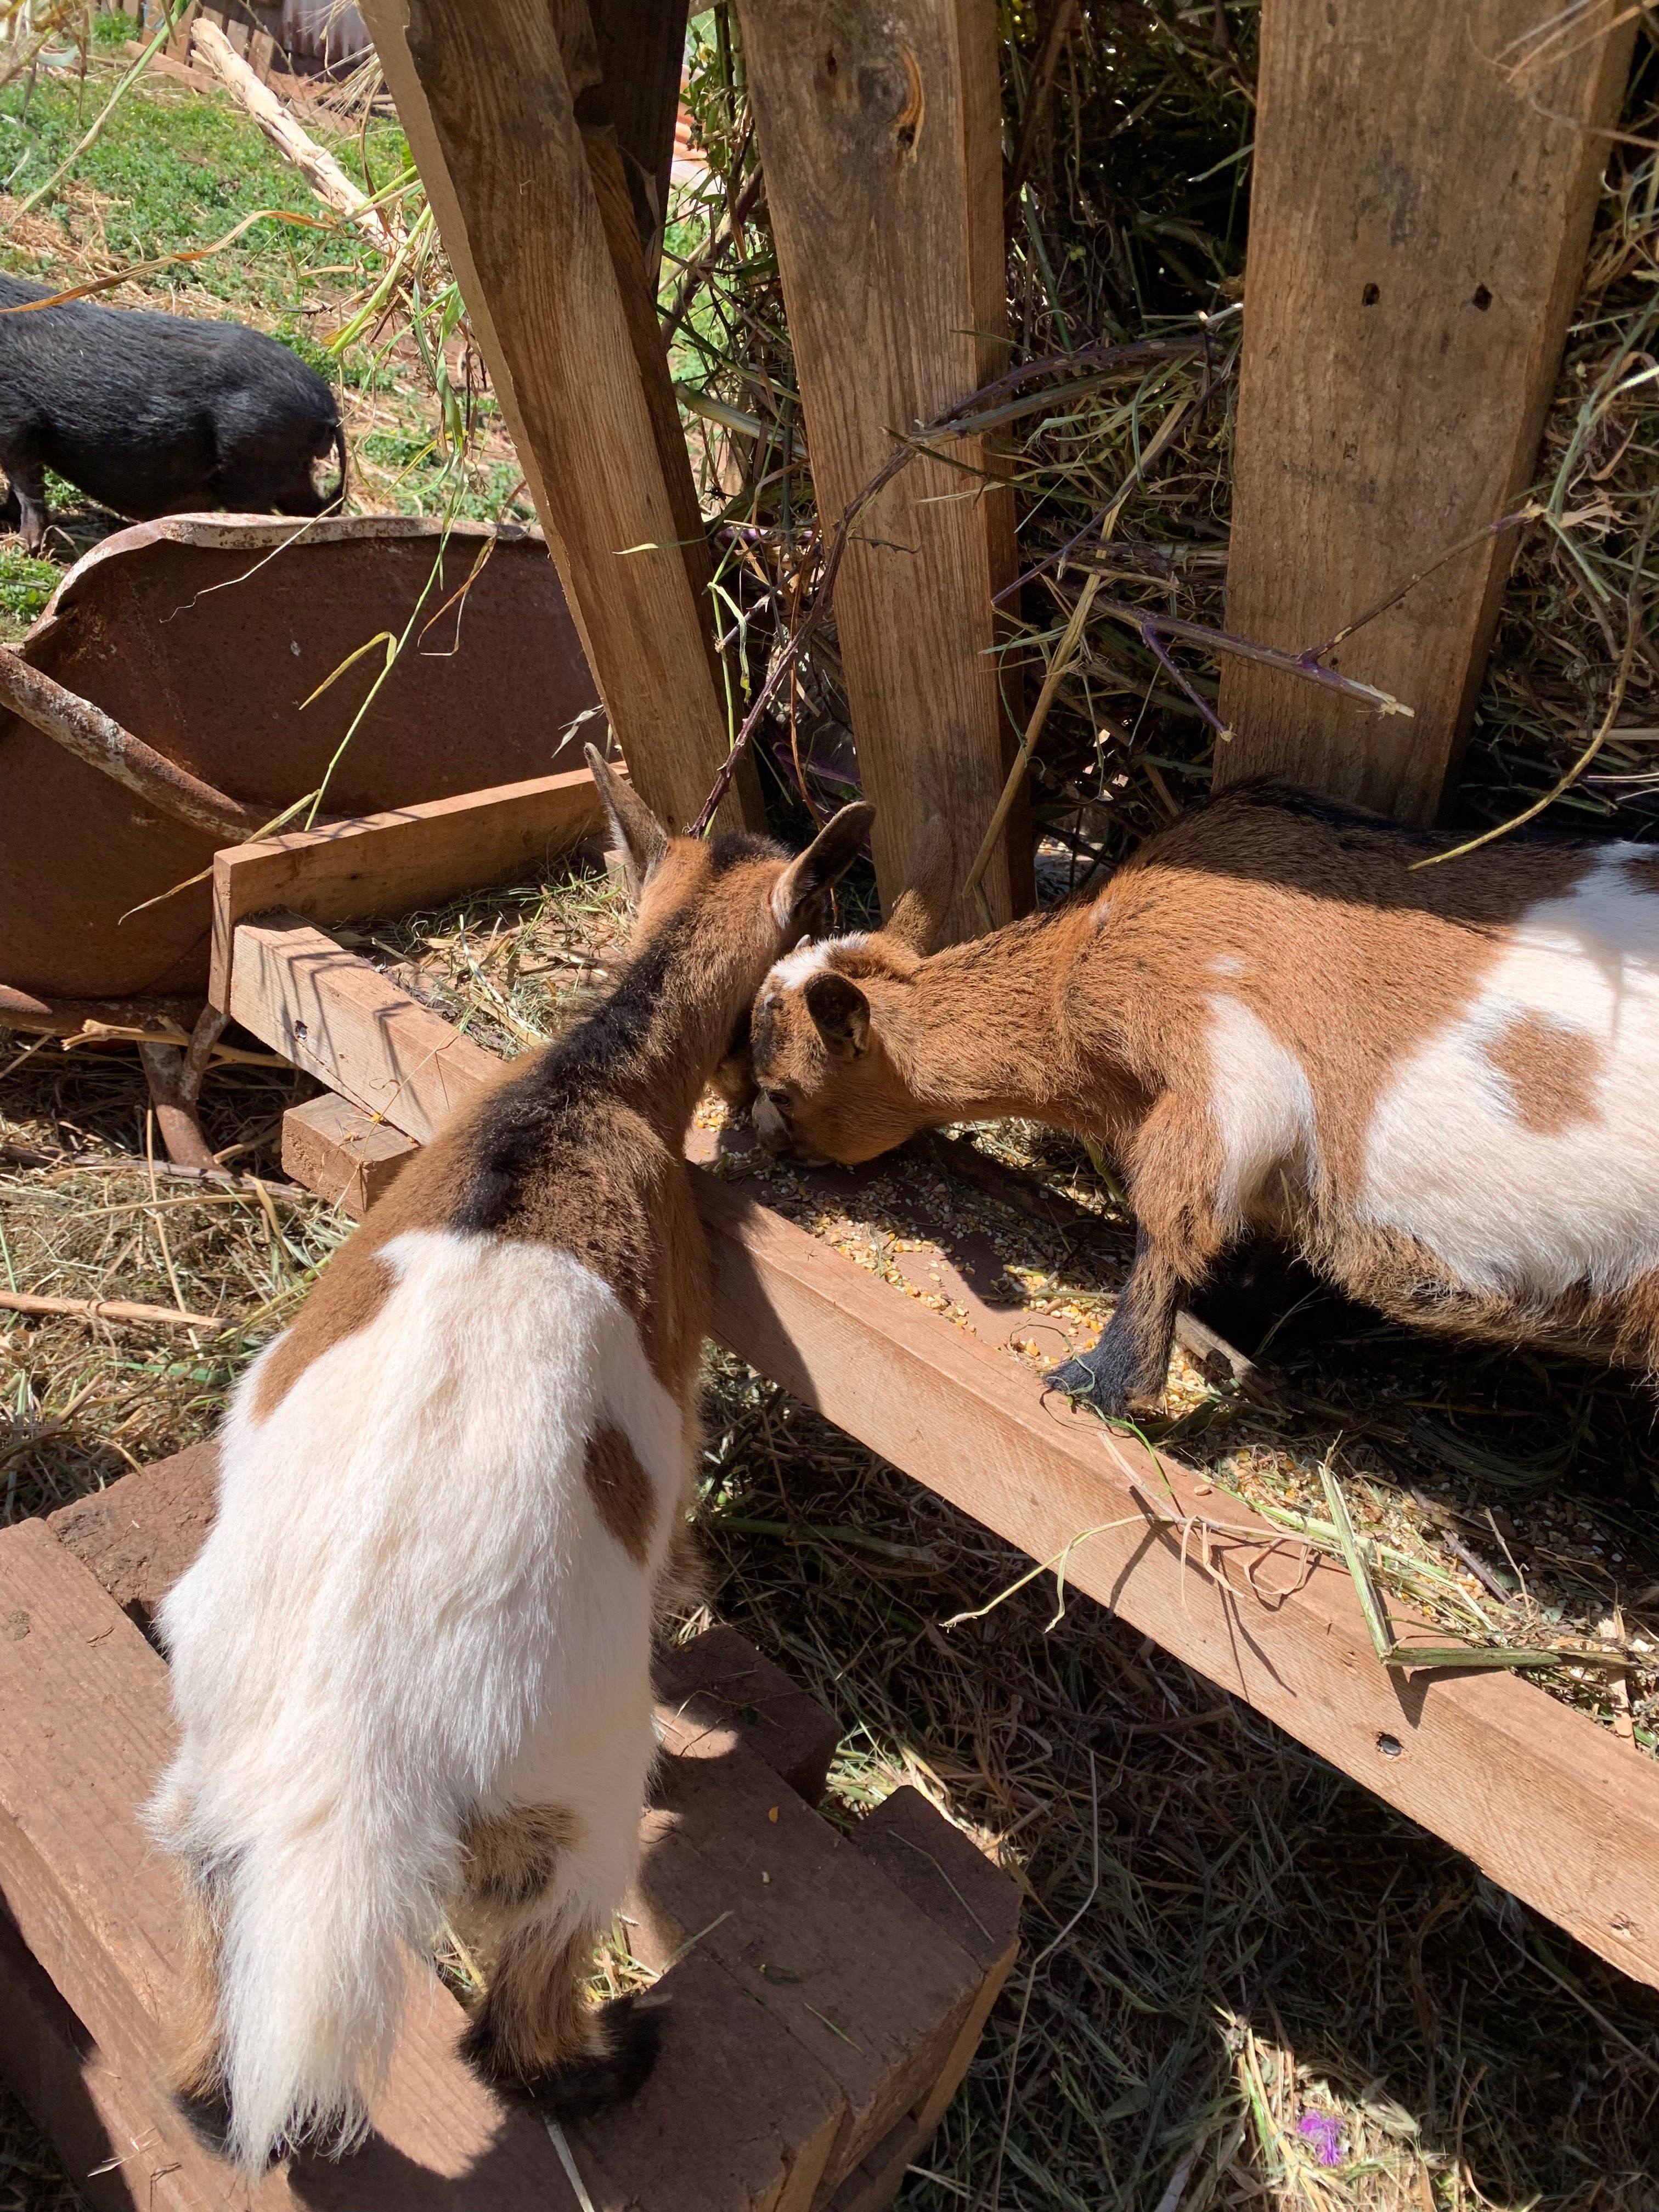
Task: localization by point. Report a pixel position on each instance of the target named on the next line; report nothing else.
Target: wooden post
(491, 113)
(880, 130)
(641, 48)
(1423, 199)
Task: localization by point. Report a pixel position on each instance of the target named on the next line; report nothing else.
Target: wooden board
(525, 236)
(343, 1021)
(331, 1147)
(1210, 1580)
(392, 863)
(641, 47)
(880, 130)
(1419, 220)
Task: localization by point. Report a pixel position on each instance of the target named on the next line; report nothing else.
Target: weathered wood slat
(1220, 1588)
(1421, 207)
(880, 130)
(391, 862)
(527, 240)
(341, 1021)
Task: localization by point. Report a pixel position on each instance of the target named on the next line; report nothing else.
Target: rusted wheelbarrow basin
(203, 635)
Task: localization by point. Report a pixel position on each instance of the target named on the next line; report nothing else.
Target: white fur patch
(1448, 1161)
(408, 1610)
(1226, 963)
(812, 958)
(1260, 1100)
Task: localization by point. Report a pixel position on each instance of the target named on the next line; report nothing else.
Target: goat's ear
(841, 1012)
(636, 832)
(823, 863)
(918, 919)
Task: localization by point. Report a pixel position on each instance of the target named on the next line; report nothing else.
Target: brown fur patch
(195, 2062)
(509, 1859)
(1551, 1068)
(534, 2018)
(621, 1490)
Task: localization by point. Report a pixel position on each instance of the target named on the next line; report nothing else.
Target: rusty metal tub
(203, 635)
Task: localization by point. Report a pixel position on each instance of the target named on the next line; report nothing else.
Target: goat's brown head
(741, 899)
(827, 1030)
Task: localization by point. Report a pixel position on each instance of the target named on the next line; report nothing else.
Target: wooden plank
(880, 128)
(139, 1535)
(641, 47)
(1457, 1754)
(721, 1692)
(334, 1149)
(940, 1869)
(1419, 220)
(88, 1732)
(111, 2148)
(408, 857)
(526, 235)
(343, 1021)
(806, 1924)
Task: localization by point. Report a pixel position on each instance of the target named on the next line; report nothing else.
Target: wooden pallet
(797, 2069)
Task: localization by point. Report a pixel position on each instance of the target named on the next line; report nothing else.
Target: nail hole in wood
(1369, 296)
(1482, 298)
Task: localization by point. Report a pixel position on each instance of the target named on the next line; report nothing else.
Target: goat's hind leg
(533, 1908)
(197, 2065)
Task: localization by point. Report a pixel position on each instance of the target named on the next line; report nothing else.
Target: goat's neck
(690, 1015)
(977, 1035)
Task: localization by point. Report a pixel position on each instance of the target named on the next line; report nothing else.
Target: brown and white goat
(1441, 1086)
(411, 1665)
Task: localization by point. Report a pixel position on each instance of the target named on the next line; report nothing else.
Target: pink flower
(1324, 2136)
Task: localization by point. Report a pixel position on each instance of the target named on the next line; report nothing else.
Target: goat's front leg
(1132, 1358)
(1174, 1170)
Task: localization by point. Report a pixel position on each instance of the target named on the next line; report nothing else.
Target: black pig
(153, 414)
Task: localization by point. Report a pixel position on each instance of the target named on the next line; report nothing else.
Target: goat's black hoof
(609, 2075)
(206, 2113)
(1079, 1381)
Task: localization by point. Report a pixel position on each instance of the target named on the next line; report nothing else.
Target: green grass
(174, 172)
(26, 585)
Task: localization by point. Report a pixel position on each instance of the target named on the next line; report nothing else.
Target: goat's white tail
(311, 1975)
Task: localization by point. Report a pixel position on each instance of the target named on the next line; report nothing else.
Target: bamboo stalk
(107, 1309)
(318, 167)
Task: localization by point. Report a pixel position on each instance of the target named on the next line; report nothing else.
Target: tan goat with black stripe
(411, 1665)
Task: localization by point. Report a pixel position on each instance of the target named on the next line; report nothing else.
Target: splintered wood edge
(1254, 1611)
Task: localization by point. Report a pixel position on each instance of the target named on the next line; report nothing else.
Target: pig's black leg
(26, 503)
(1131, 1359)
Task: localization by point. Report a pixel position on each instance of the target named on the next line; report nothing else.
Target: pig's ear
(918, 919)
(636, 835)
(841, 1013)
(800, 890)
